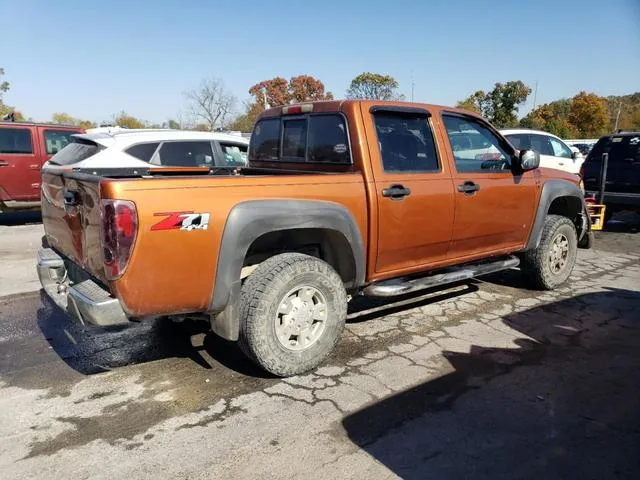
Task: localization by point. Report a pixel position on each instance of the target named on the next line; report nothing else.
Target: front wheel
(550, 265)
(292, 311)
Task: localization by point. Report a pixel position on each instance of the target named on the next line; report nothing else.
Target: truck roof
(38, 124)
(339, 105)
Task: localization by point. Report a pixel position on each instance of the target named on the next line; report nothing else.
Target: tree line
(210, 106)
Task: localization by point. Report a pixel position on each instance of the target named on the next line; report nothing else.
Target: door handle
(468, 187)
(396, 192)
(3, 163)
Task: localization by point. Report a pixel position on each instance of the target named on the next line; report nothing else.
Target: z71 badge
(182, 221)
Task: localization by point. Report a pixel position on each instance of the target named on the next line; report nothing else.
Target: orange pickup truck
(339, 198)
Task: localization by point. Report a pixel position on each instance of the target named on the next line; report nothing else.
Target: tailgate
(71, 217)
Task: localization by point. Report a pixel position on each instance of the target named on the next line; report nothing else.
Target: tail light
(118, 231)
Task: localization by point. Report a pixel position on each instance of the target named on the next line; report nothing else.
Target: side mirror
(574, 155)
(528, 160)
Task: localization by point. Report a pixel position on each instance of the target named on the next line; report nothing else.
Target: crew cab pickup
(338, 199)
(24, 148)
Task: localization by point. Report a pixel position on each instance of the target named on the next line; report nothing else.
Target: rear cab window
(320, 138)
(620, 149)
(16, 141)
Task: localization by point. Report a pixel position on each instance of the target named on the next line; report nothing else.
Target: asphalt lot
(485, 380)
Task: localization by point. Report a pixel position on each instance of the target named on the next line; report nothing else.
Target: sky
(94, 59)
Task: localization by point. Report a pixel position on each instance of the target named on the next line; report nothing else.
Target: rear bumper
(86, 302)
(621, 199)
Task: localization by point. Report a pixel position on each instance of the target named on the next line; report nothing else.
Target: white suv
(140, 148)
(554, 153)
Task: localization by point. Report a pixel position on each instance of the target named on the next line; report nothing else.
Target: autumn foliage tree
(589, 114)
(279, 91)
(583, 116)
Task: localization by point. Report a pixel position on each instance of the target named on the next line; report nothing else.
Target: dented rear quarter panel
(173, 271)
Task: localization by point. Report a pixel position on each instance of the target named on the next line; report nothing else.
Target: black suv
(622, 182)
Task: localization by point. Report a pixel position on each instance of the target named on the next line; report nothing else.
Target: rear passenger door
(19, 164)
(413, 189)
(194, 153)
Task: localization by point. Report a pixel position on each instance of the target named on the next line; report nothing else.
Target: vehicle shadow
(90, 350)
(28, 217)
(564, 403)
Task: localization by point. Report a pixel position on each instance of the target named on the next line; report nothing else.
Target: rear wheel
(292, 311)
(550, 265)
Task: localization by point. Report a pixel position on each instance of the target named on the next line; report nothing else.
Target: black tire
(260, 299)
(539, 266)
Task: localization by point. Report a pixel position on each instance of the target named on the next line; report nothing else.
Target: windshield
(79, 149)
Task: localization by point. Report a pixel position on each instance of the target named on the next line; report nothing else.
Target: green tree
(374, 86)
(63, 119)
(66, 119)
(4, 85)
(85, 124)
(500, 105)
(124, 120)
(6, 109)
(476, 102)
(589, 115)
(173, 125)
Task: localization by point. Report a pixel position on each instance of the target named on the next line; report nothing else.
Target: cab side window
(15, 141)
(186, 154)
(406, 142)
(475, 147)
(56, 140)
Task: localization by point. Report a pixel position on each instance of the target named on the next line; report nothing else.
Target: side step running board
(400, 286)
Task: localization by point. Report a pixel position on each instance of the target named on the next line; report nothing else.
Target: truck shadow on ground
(20, 218)
(563, 403)
(90, 350)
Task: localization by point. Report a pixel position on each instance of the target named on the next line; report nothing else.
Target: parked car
(24, 148)
(554, 153)
(138, 148)
(339, 199)
(622, 182)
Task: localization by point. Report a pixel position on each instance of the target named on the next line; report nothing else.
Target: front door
(494, 207)
(19, 164)
(413, 187)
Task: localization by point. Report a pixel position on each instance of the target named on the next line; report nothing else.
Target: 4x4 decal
(181, 221)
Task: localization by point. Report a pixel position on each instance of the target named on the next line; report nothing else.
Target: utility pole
(535, 95)
(413, 84)
(615, 129)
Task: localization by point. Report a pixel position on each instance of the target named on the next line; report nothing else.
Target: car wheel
(292, 311)
(550, 265)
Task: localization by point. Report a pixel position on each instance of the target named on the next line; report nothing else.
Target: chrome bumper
(85, 301)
